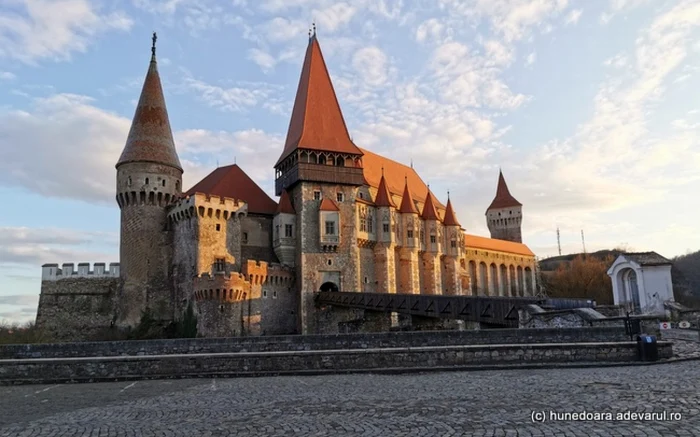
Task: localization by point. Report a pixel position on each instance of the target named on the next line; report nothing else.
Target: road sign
(665, 325)
(684, 325)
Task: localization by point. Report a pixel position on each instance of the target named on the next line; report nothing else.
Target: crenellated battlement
(135, 198)
(255, 271)
(52, 272)
(205, 205)
(222, 287)
(279, 275)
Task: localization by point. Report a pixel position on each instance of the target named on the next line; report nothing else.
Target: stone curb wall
(88, 369)
(313, 342)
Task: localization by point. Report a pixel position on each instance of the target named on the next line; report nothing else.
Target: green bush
(25, 333)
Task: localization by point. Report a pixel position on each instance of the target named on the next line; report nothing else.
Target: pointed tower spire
(503, 197)
(317, 122)
(407, 204)
(429, 211)
(150, 137)
(450, 217)
(285, 205)
(383, 197)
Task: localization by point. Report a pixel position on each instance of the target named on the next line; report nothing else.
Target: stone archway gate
(493, 310)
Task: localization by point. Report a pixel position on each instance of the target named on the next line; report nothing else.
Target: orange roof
(285, 205)
(476, 242)
(407, 204)
(503, 197)
(450, 218)
(328, 205)
(317, 122)
(396, 175)
(231, 181)
(150, 137)
(383, 197)
(429, 212)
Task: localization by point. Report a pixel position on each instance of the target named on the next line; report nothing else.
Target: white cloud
(620, 6)
(54, 29)
(430, 29)
(573, 16)
(235, 98)
(531, 58)
(264, 60)
(371, 64)
(6, 75)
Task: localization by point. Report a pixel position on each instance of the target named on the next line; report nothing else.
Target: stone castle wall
(75, 305)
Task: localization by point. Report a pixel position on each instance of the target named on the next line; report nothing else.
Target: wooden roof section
(150, 138)
(231, 181)
(503, 197)
(317, 122)
(477, 242)
(285, 205)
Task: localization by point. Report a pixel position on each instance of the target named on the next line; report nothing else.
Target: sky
(589, 107)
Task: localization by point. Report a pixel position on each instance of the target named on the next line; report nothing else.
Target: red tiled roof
(450, 217)
(150, 138)
(383, 197)
(407, 205)
(476, 242)
(285, 204)
(317, 122)
(328, 205)
(429, 212)
(231, 181)
(503, 197)
(396, 175)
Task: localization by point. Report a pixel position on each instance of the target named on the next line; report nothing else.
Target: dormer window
(339, 196)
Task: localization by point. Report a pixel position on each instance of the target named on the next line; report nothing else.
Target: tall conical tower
(149, 179)
(505, 214)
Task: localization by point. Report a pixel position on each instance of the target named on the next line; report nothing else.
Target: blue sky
(589, 107)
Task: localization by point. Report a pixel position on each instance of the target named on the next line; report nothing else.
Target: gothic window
(163, 182)
(330, 228)
(363, 224)
(146, 181)
(453, 243)
(317, 195)
(409, 233)
(362, 196)
(339, 196)
(220, 265)
(432, 238)
(385, 227)
(288, 231)
(370, 224)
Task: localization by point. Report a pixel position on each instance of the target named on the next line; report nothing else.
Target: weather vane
(153, 47)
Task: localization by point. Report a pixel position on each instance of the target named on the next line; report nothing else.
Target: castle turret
(433, 247)
(384, 249)
(149, 180)
(504, 215)
(409, 276)
(453, 242)
(284, 240)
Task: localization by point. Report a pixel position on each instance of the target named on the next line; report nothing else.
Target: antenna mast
(583, 242)
(558, 241)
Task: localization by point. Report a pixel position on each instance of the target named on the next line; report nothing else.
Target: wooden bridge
(493, 310)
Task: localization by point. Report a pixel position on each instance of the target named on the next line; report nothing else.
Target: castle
(347, 219)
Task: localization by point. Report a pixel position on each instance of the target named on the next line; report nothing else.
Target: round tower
(149, 180)
(505, 214)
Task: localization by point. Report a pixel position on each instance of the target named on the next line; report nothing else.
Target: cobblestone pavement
(487, 403)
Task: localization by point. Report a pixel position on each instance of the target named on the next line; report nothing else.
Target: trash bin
(647, 348)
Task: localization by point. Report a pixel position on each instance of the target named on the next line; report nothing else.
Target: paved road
(493, 403)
